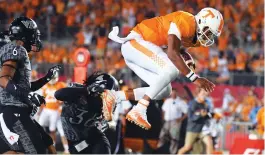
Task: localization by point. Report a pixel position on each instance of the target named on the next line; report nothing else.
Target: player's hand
(205, 84)
(52, 71)
(34, 110)
(96, 88)
(102, 125)
(36, 99)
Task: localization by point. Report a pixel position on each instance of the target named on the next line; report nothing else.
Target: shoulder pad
(12, 52)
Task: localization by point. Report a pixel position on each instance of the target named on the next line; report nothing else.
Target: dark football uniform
(4, 40)
(22, 76)
(82, 122)
(18, 131)
(21, 123)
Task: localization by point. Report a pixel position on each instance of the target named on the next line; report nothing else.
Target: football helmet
(112, 83)
(209, 25)
(26, 30)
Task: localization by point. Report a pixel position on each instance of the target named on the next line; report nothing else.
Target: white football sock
(139, 93)
(142, 104)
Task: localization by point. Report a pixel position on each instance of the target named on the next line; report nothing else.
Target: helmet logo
(100, 77)
(29, 24)
(210, 13)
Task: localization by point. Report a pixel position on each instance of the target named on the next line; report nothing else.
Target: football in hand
(188, 59)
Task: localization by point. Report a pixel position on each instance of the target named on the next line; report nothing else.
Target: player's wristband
(192, 76)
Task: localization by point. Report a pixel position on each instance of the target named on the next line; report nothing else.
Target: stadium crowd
(239, 49)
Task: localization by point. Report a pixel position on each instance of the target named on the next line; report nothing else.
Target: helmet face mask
(206, 36)
(36, 45)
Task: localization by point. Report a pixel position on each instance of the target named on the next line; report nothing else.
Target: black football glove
(52, 71)
(34, 110)
(102, 125)
(96, 88)
(36, 99)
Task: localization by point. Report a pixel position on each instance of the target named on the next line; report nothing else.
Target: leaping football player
(143, 53)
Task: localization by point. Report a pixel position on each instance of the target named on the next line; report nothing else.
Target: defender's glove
(102, 125)
(52, 71)
(96, 88)
(36, 99)
(34, 110)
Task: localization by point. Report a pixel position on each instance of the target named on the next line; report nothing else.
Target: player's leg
(148, 57)
(138, 93)
(46, 138)
(6, 147)
(44, 118)
(151, 65)
(63, 139)
(18, 121)
(53, 118)
(145, 75)
(207, 139)
(164, 135)
(174, 132)
(102, 146)
(189, 141)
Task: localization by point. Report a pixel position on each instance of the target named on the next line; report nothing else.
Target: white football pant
(152, 65)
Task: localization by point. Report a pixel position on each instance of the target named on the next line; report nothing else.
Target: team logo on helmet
(29, 24)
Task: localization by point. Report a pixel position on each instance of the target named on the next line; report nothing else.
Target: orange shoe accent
(138, 118)
(108, 104)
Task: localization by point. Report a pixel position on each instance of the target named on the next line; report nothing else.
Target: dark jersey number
(80, 118)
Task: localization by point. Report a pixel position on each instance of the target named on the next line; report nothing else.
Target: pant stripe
(24, 138)
(161, 63)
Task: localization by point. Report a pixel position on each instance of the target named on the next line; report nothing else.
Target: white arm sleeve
(173, 29)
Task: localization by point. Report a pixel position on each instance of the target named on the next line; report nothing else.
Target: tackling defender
(81, 117)
(143, 54)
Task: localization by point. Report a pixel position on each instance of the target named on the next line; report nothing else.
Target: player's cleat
(108, 104)
(139, 118)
